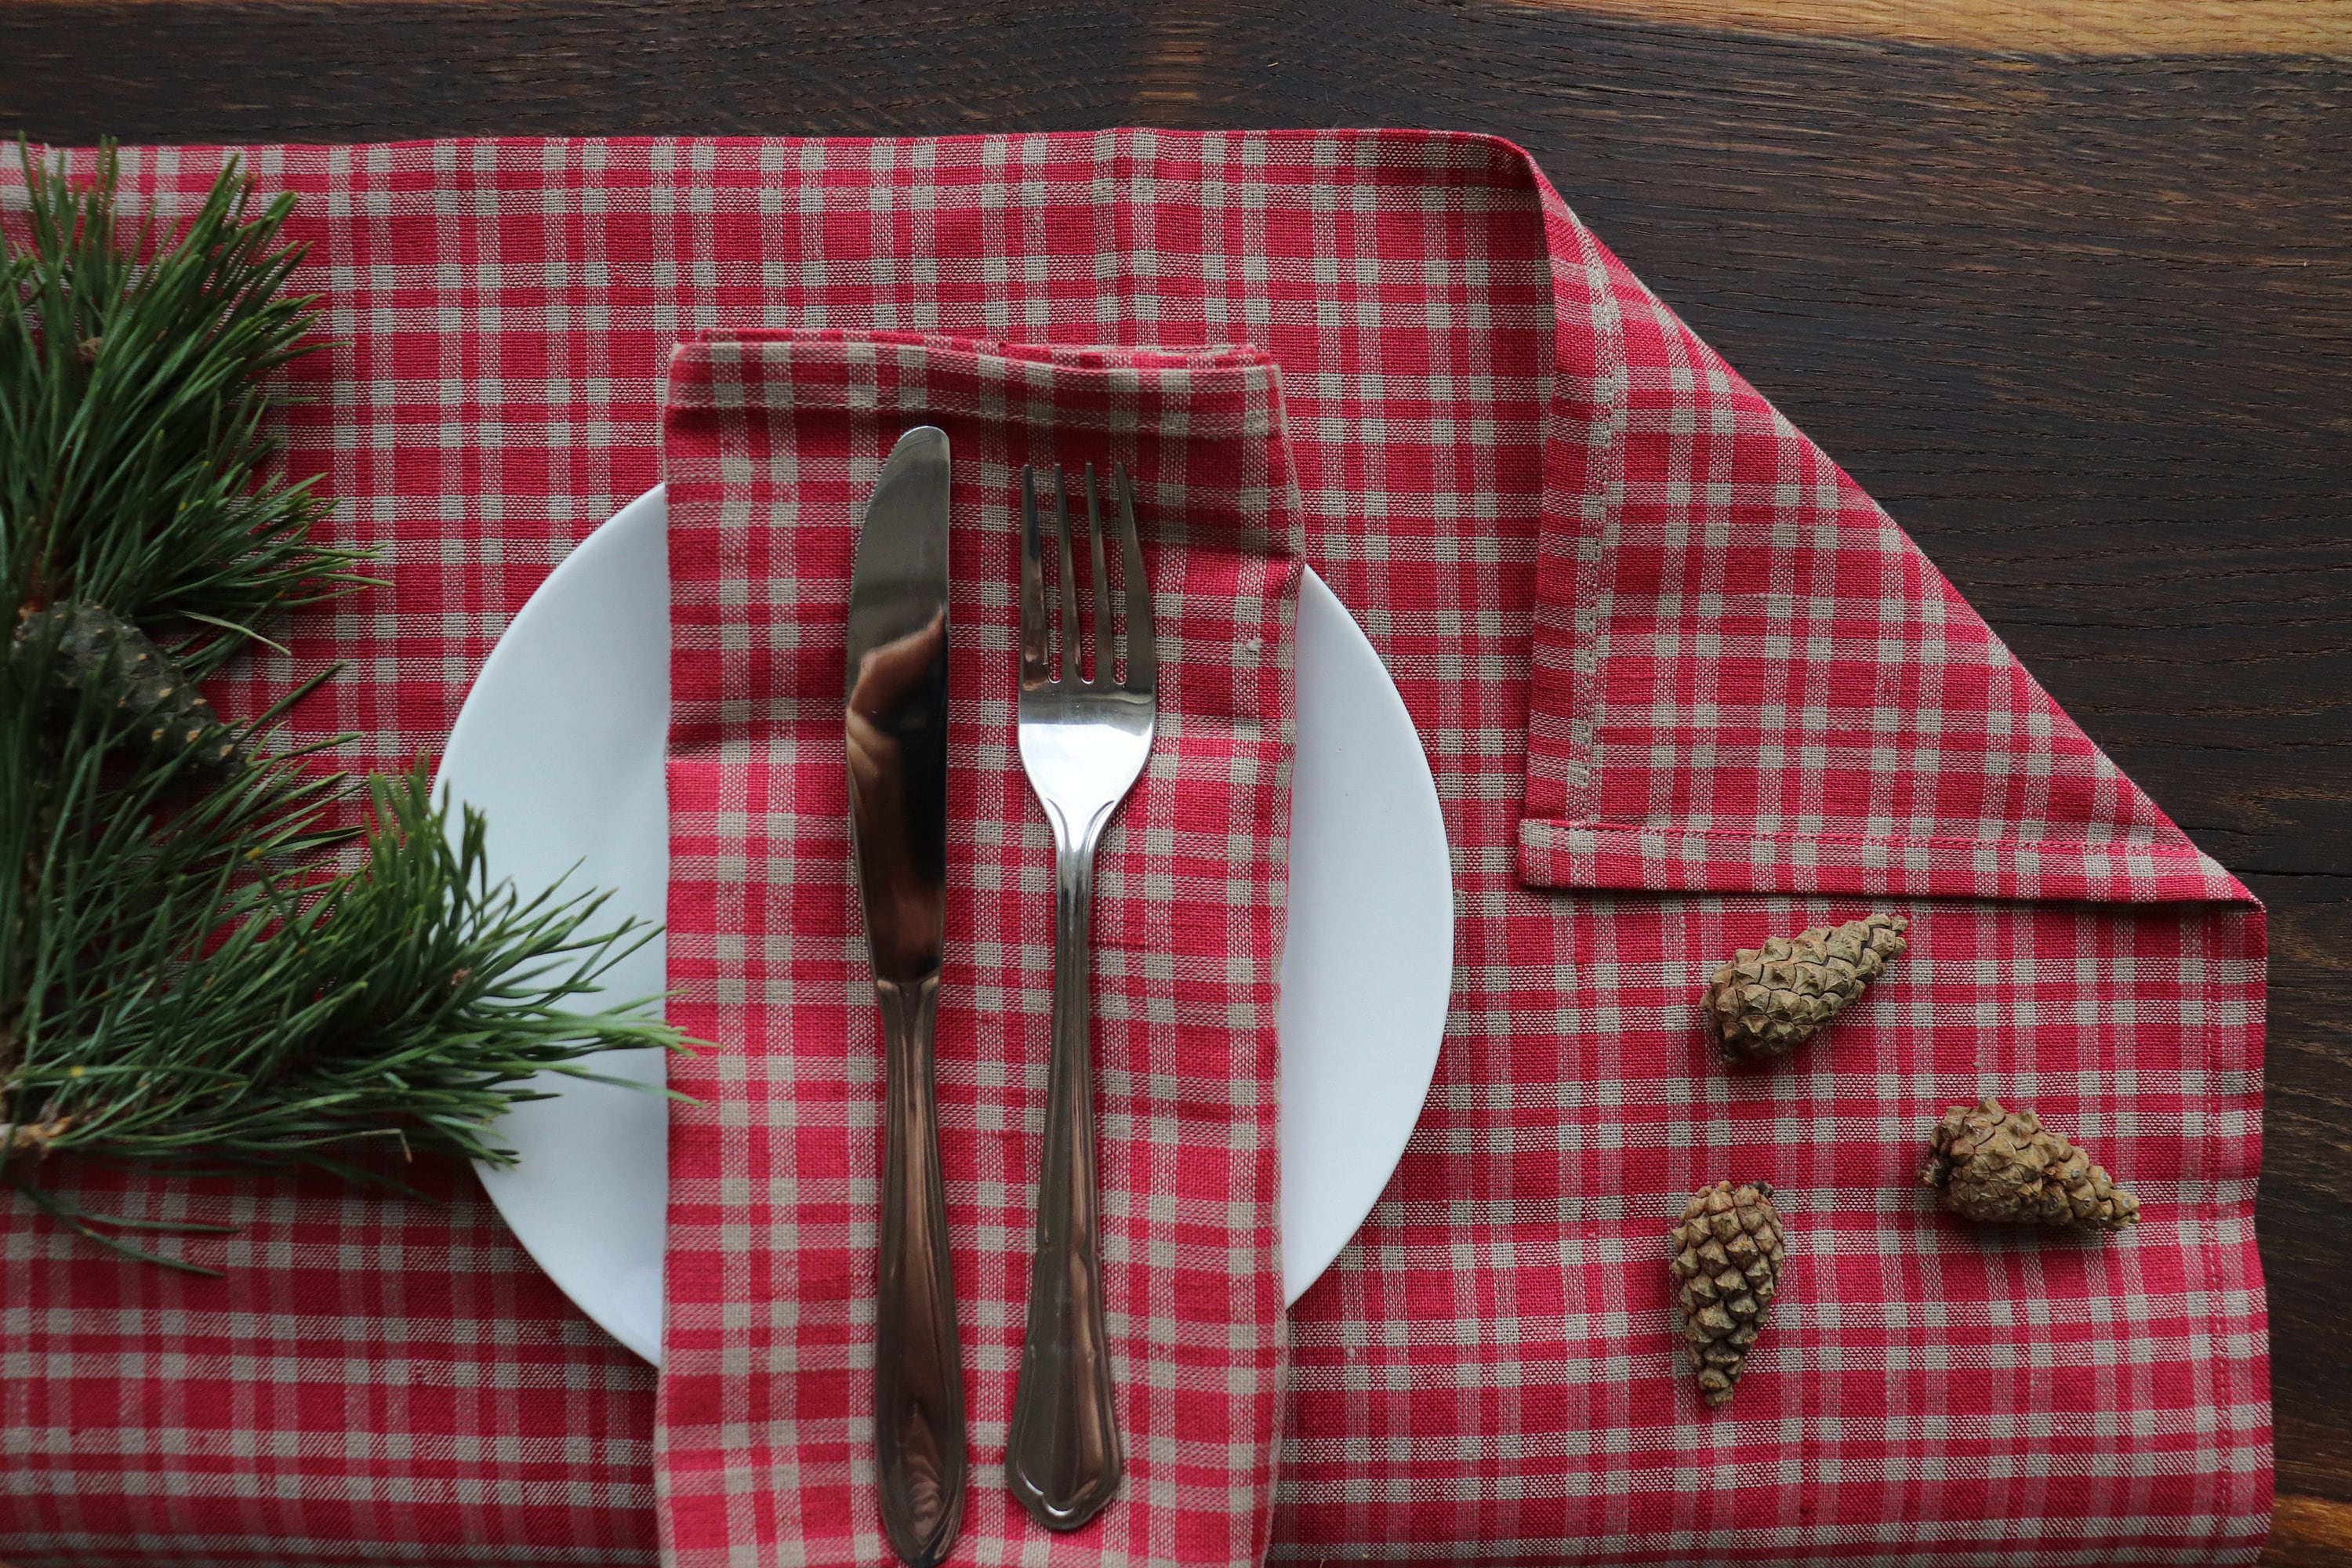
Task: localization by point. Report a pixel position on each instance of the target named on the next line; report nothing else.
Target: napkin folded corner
(1747, 679)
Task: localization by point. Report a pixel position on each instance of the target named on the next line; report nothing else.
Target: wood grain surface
(2011, 27)
(2067, 286)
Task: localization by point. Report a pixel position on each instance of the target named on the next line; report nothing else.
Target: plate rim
(460, 760)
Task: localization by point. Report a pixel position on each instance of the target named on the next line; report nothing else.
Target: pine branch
(185, 977)
(409, 1000)
(131, 410)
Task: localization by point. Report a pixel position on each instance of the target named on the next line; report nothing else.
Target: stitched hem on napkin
(1746, 678)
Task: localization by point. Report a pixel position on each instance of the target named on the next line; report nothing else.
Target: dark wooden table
(2066, 284)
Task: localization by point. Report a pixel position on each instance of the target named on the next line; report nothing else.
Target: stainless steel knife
(896, 728)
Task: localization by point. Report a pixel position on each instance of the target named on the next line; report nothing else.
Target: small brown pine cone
(2003, 1167)
(1725, 1261)
(1769, 1000)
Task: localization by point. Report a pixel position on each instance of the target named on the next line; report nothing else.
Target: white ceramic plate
(561, 742)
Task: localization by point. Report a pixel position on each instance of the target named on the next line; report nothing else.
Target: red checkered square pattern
(1748, 679)
(1518, 472)
(766, 1433)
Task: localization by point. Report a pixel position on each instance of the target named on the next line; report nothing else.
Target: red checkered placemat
(766, 1434)
(1747, 678)
(1663, 658)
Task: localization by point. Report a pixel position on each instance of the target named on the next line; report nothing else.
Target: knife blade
(896, 736)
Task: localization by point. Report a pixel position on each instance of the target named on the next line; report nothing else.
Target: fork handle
(1061, 1457)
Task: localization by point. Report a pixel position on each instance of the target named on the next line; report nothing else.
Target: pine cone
(1769, 1000)
(1727, 1267)
(91, 645)
(2004, 1167)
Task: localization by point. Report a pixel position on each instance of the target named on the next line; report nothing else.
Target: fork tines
(1043, 634)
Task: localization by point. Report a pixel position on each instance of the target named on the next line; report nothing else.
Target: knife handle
(919, 1436)
(1063, 1458)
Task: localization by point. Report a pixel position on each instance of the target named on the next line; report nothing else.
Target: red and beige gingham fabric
(765, 1438)
(1748, 680)
(1681, 687)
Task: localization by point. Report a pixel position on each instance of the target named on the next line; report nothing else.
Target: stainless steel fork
(1083, 743)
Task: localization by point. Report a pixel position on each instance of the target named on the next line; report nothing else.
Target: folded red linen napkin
(765, 1441)
(1683, 686)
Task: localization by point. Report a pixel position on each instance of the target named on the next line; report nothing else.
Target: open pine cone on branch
(2003, 1167)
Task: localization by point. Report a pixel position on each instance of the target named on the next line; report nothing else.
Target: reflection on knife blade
(897, 777)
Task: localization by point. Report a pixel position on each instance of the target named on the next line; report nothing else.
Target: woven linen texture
(1747, 677)
(1487, 1373)
(767, 1428)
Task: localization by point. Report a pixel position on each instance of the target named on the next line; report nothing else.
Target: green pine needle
(132, 411)
(186, 977)
(409, 1000)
